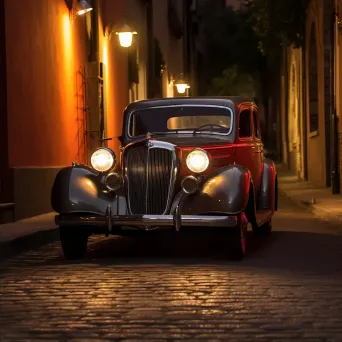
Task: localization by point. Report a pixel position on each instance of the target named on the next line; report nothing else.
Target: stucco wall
(316, 142)
(135, 11)
(44, 51)
(116, 74)
(44, 90)
(338, 84)
(295, 111)
(171, 47)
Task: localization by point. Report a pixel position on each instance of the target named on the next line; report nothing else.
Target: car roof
(226, 101)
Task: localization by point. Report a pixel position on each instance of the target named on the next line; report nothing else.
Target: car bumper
(146, 222)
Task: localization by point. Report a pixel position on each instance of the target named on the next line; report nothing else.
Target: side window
(256, 124)
(245, 124)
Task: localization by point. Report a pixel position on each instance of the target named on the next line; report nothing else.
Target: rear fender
(225, 191)
(79, 189)
(268, 198)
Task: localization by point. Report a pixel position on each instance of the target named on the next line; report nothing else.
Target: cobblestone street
(289, 287)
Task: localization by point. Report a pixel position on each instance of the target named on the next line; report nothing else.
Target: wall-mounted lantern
(82, 7)
(125, 33)
(181, 84)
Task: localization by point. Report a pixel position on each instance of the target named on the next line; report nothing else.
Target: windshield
(180, 120)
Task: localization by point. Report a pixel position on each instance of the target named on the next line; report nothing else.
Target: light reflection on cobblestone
(288, 288)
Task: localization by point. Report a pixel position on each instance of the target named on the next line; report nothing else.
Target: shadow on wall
(69, 3)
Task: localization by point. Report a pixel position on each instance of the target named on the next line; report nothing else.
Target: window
(170, 119)
(256, 124)
(245, 124)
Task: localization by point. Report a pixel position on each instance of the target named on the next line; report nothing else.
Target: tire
(264, 230)
(238, 241)
(74, 243)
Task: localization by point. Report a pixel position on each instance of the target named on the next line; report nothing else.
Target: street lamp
(82, 7)
(125, 33)
(181, 85)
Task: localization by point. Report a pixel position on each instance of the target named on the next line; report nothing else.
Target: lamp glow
(182, 87)
(102, 160)
(84, 11)
(181, 84)
(83, 7)
(126, 38)
(197, 161)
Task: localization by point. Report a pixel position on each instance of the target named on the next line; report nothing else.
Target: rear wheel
(74, 243)
(238, 240)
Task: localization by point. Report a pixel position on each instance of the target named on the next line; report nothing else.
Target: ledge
(27, 234)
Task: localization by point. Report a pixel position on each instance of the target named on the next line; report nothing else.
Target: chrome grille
(149, 178)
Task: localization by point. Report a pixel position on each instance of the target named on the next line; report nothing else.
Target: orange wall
(116, 76)
(44, 51)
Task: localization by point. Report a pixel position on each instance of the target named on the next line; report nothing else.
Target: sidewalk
(319, 201)
(27, 234)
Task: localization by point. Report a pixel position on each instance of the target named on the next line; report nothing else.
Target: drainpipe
(335, 175)
(93, 121)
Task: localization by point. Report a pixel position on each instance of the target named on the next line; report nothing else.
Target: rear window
(189, 122)
(181, 119)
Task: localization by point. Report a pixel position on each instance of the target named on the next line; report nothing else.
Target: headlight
(103, 159)
(197, 161)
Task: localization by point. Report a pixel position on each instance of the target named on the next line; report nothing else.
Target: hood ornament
(149, 143)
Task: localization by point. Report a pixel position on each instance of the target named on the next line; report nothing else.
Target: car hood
(185, 140)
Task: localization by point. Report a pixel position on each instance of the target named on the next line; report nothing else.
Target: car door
(246, 145)
(258, 148)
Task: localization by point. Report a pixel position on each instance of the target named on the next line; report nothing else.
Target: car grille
(148, 177)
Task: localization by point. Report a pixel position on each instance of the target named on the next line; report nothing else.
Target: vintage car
(184, 162)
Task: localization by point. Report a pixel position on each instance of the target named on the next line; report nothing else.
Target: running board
(262, 216)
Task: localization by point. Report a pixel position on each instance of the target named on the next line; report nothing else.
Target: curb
(299, 203)
(28, 242)
(318, 212)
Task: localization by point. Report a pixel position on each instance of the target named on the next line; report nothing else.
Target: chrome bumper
(146, 222)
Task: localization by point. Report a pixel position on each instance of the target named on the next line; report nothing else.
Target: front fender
(226, 191)
(78, 189)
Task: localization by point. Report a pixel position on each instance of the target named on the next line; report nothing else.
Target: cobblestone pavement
(288, 288)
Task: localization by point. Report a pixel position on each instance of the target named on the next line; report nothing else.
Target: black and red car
(184, 162)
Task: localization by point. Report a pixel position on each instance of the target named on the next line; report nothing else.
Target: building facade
(310, 89)
(65, 82)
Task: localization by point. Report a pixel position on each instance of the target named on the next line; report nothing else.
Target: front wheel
(74, 243)
(238, 240)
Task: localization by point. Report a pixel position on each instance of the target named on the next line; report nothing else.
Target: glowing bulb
(126, 38)
(182, 87)
(102, 160)
(197, 161)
